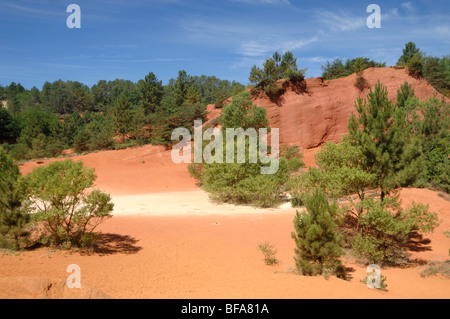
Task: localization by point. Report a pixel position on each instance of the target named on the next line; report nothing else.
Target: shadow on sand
(109, 244)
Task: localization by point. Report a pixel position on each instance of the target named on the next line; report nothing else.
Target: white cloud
(341, 21)
(266, 47)
(407, 6)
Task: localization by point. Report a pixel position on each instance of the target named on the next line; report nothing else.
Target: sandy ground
(167, 240)
(209, 256)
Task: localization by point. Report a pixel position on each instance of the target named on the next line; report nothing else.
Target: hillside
(320, 114)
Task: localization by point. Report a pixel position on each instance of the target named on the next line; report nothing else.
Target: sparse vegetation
(317, 238)
(382, 284)
(269, 252)
(437, 267)
(61, 205)
(363, 171)
(14, 217)
(276, 68)
(338, 69)
(243, 183)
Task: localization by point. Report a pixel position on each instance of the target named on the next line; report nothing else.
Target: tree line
(68, 114)
(436, 70)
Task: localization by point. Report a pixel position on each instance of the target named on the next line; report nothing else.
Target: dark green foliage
(403, 94)
(181, 87)
(317, 238)
(359, 67)
(409, 52)
(413, 59)
(66, 97)
(39, 134)
(243, 183)
(3, 93)
(437, 72)
(339, 173)
(14, 216)
(275, 68)
(242, 113)
(13, 93)
(208, 87)
(337, 69)
(435, 140)
(58, 117)
(122, 117)
(415, 66)
(8, 127)
(35, 121)
(152, 93)
(383, 152)
(62, 206)
(94, 136)
(360, 83)
(382, 234)
(389, 149)
(221, 96)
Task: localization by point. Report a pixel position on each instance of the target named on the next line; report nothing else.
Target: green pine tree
(403, 94)
(317, 239)
(152, 92)
(13, 203)
(123, 117)
(409, 52)
(389, 150)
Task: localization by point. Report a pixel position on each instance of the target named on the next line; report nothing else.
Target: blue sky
(129, 38)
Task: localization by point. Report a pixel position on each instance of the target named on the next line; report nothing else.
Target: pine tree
(181, 86)
(221, 96)
(403, 94)
(152, 92)
(409, 52)
(316, 237)
(13, 208)
(389, 150)
(123, 117)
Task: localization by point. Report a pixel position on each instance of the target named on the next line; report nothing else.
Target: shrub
(269, 252)
(317, 239)
(275, 68)
(243, 183)
(437, 267)
(339, 174)
(382, 281)
(415, 66)
(61, 202)
(14, 216)
(360, 83)
(338, 69)
(388, 146)
(384, 229)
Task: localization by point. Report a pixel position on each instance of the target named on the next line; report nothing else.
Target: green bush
(384, 229)
(276, 68)
(338, 69)
(269, 252)
(14, 217)
(317, 238)
(62, 205)
(243, 183)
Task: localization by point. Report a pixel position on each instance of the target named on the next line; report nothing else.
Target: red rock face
(320, 114)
